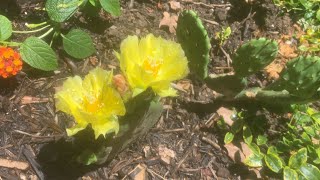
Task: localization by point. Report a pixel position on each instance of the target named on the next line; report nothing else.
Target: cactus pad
(301, 78)
(254, 56)
(195, 42)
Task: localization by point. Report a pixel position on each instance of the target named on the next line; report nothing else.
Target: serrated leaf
(261, 140)
(254, 160)
(61, 10)
(309, 171)
(78, 44)
(299, 158)
(289, 174)
(247, 135)
(5, 28)
(228, 137)
(111, 6)
(273, 162)
(38, 54)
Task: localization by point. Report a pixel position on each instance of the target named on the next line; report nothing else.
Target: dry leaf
(238, 154)
(166, 154)
(169, 21)
(175, 5)
(226, 114)
(139, 172)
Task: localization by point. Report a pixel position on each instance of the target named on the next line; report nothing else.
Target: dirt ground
(186, 131)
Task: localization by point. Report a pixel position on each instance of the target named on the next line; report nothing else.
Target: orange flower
(10, 62)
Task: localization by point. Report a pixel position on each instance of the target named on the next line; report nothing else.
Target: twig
(229, 60)
(211, 22)
(28, 154)
(189, 150)
(207, 5)
(209, 141)
(174, 130)
(152, 172)
(13, 164)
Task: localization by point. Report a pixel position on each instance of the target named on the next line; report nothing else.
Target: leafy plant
(77, 43)
(223, 35)
(298, 83)
(296, 153)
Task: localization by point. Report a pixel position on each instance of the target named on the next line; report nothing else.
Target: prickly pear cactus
(195, 42)
(301, 78)
(254, 56)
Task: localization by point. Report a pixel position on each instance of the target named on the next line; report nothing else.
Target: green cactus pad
(195, 42)
(253, 56)
(301, 78)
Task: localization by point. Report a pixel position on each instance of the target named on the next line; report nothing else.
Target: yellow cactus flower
(152, 62)
(91, 101)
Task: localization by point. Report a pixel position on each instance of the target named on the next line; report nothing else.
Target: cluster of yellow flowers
(150, 62)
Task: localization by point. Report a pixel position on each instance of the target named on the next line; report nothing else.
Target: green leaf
(254, 160)
(299, 158)
(5, 28)
(247, 135)
(310, 131)
(254, 148)
(111, 6)
(228, 137)
(78, 44)
(318, 15)
(310, 172)
(38, 54)
(237, 126)
(272, 150)
(93, 2)
(273, 162)
(289, 174)
(261, 140)
(62, 10)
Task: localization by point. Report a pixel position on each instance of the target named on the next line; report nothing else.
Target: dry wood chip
(226, 114)
(175, 5)
(169, 21)
(13, 164)
(166, 154)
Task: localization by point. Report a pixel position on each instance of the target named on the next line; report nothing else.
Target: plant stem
(33, 31)
(31, 26)
(10, 43)
(46, 33)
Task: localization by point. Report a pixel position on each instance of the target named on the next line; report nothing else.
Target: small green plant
(223, 35)
(77, 43)
(298, 83)
(295, 153)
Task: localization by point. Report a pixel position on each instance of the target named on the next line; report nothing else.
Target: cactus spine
(195, 42)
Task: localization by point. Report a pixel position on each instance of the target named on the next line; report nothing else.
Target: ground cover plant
(97, 89)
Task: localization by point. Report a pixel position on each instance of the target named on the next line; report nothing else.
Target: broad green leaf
(5, 28)
(309, 171)
(273, 162)
(316, 116)
(237, 126)
(299, 158)
(306, 137)
(261, 140)
(93, 2)
(254, 160)
(318, 15)
(228, 137)
(272, 150)
(111, 6)
(254, 148)
(247, 135)
(289, 174)
(38, 54)
(78, 44)
(310, 130)
(62, 10)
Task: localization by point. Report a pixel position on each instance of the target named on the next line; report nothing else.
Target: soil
(185, 128)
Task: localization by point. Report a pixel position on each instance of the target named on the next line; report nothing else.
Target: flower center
(92, 105)
(152, 66)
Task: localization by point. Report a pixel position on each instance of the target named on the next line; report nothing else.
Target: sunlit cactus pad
(195, 42)
(253, 56)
